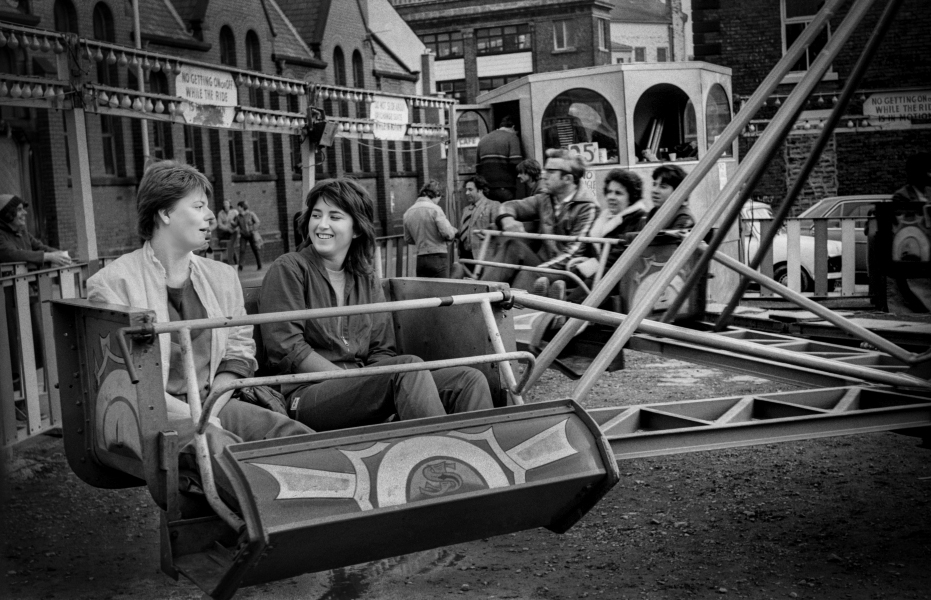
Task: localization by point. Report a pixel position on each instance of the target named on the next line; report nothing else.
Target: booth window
(664, 125)
(796, 15)
(717, 115)
(470, 128)
(582, 120)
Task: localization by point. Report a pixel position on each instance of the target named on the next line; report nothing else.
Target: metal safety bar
(211, 404)
(813, 159)
(754, 160)
(489, 233)
(606, 317)
(204, 464)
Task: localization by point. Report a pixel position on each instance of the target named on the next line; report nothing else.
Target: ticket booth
(629, 116)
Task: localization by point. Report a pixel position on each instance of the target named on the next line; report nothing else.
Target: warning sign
(899, 105)
(391, 117)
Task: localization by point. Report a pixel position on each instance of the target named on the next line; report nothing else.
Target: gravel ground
(829, 519)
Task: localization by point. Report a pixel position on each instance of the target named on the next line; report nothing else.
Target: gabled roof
(387, 62)
(309, 18)
(641, 11)
(159, 19)
(619, 47)
(288, 41)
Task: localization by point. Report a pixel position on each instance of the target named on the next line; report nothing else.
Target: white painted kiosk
(614, 114)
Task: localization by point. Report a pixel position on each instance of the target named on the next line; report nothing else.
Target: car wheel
(781, 275)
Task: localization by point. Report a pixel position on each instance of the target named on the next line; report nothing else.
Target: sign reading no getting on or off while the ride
(391, 117)
(210, 96)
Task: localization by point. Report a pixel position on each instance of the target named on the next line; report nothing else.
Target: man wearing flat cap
(17, 244)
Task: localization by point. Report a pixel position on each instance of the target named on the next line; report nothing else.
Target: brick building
(654, 30)
(867, 152)
(276, 37)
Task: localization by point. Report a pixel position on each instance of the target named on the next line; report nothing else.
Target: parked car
(845, 206)
(751, 215)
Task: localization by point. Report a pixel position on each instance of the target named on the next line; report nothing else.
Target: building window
(563, 35)
(583, 120)
(107, 74)
(227, 47)
(501, 40)
(108, 139)
(13, 62)
(717, 114)
(237, 160)
(190, 154)
(661, 55)
(161, 140)
(453, 89)
(640, 54)
(260, 152)
(66, 17)
(444, 45)
(489, 83)
(604, 34)
(796, 15)
(339, 76)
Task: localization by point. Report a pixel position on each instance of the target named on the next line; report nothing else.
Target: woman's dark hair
(8, 212)
(431, 189)
(631, 183)
(531, 168)
(354, 200)
(163, 184)
(671, 175)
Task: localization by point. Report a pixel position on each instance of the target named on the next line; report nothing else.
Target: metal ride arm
(753, 161)
(843, 323)
(605, 317)
(814, 157)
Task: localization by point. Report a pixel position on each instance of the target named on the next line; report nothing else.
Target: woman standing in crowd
(334, 268)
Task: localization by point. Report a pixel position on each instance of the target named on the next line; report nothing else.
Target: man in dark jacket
(563, 207)
(498, 154)
(17, 244)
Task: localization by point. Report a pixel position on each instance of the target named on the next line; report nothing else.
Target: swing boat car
(309, 503)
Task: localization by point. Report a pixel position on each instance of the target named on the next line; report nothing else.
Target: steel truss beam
(691, 426)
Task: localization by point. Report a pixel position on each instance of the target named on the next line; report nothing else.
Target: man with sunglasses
(562, 207)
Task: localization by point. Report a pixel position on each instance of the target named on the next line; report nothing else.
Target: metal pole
(720, 342)
(752, 162)
(141, 85)
(856, 76)
(204, 458)
(704, 166)
(498, 345)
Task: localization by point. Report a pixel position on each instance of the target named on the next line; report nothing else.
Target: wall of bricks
(746, 35)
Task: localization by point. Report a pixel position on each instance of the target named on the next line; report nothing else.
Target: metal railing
(29, 399)
(394, 258)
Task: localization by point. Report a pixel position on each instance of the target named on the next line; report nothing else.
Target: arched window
(358, 74)
(339, 66)
(111, 130)
(66, 17)
(14, 63)
(257, 99)
(717, 114)
(161, 142)
(663, 121)
(227, 46)
(583, 117)
(104, 31)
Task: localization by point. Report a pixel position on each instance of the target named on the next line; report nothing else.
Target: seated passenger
(563, 207)
(665, 181)
(626, 213)
(334, 268)
(166, 276)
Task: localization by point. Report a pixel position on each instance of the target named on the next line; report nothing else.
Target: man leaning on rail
(563, 207)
